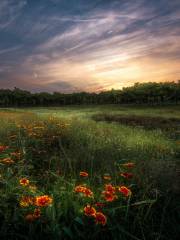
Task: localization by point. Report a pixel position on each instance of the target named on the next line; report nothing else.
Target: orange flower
(109, 188)
(100, 218)
(86, 191)
(109, 196)
(109, 193)
(24, 181)
(107, 177)
(83, 174)
(7, 160)
(127, 175)
(43, 201)
(79, 189)
(89, 211)
(125, 191)
(26, 201)
(3, 148)
(37, 213)
(30, 218)
(128, 165)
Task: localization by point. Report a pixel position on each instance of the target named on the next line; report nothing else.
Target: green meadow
(90, 172)
(86, 111)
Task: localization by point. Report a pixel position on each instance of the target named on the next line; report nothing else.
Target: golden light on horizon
(105, 48)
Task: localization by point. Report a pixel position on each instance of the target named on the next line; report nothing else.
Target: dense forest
(141, 93)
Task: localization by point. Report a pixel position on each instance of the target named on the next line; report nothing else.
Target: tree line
(141, 93)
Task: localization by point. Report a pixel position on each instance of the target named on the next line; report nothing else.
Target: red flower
(90, 211)
(100, 218)
(82, 189)
(109, 188)
(125, 191)
(79, 189)
(83, 174)
(24, 181)
(3, 148)
(109, 196)
(88, 193)
(107, 177)
(127, 175)
(37, 213)
(99, 204)
(43, 201)
(128, 165)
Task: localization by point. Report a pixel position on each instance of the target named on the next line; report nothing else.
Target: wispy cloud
(9, 50)
(9, 11)
(102, 48)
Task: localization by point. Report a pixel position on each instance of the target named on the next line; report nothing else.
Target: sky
(88, 45)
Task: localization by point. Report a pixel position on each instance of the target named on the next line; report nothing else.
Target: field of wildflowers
(78, 179)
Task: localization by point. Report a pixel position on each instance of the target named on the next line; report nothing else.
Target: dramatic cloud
(58, 45)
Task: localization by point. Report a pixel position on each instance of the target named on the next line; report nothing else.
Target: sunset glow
(67, 46)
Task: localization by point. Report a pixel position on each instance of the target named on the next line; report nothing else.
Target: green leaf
(79, 220)
(143, 202)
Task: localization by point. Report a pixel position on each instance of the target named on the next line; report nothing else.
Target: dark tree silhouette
(150, 93)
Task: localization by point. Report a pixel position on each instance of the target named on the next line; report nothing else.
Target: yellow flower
(26, 201)
(32, 188)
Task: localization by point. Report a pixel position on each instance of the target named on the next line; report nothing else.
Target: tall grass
(54, 151)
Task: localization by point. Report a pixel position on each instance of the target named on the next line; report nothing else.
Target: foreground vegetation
(65, 177)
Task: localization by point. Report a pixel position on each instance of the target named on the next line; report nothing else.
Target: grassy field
(87, 111)
(80, 172)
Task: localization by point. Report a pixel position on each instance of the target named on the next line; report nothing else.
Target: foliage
(63, 166)
(141, 93)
